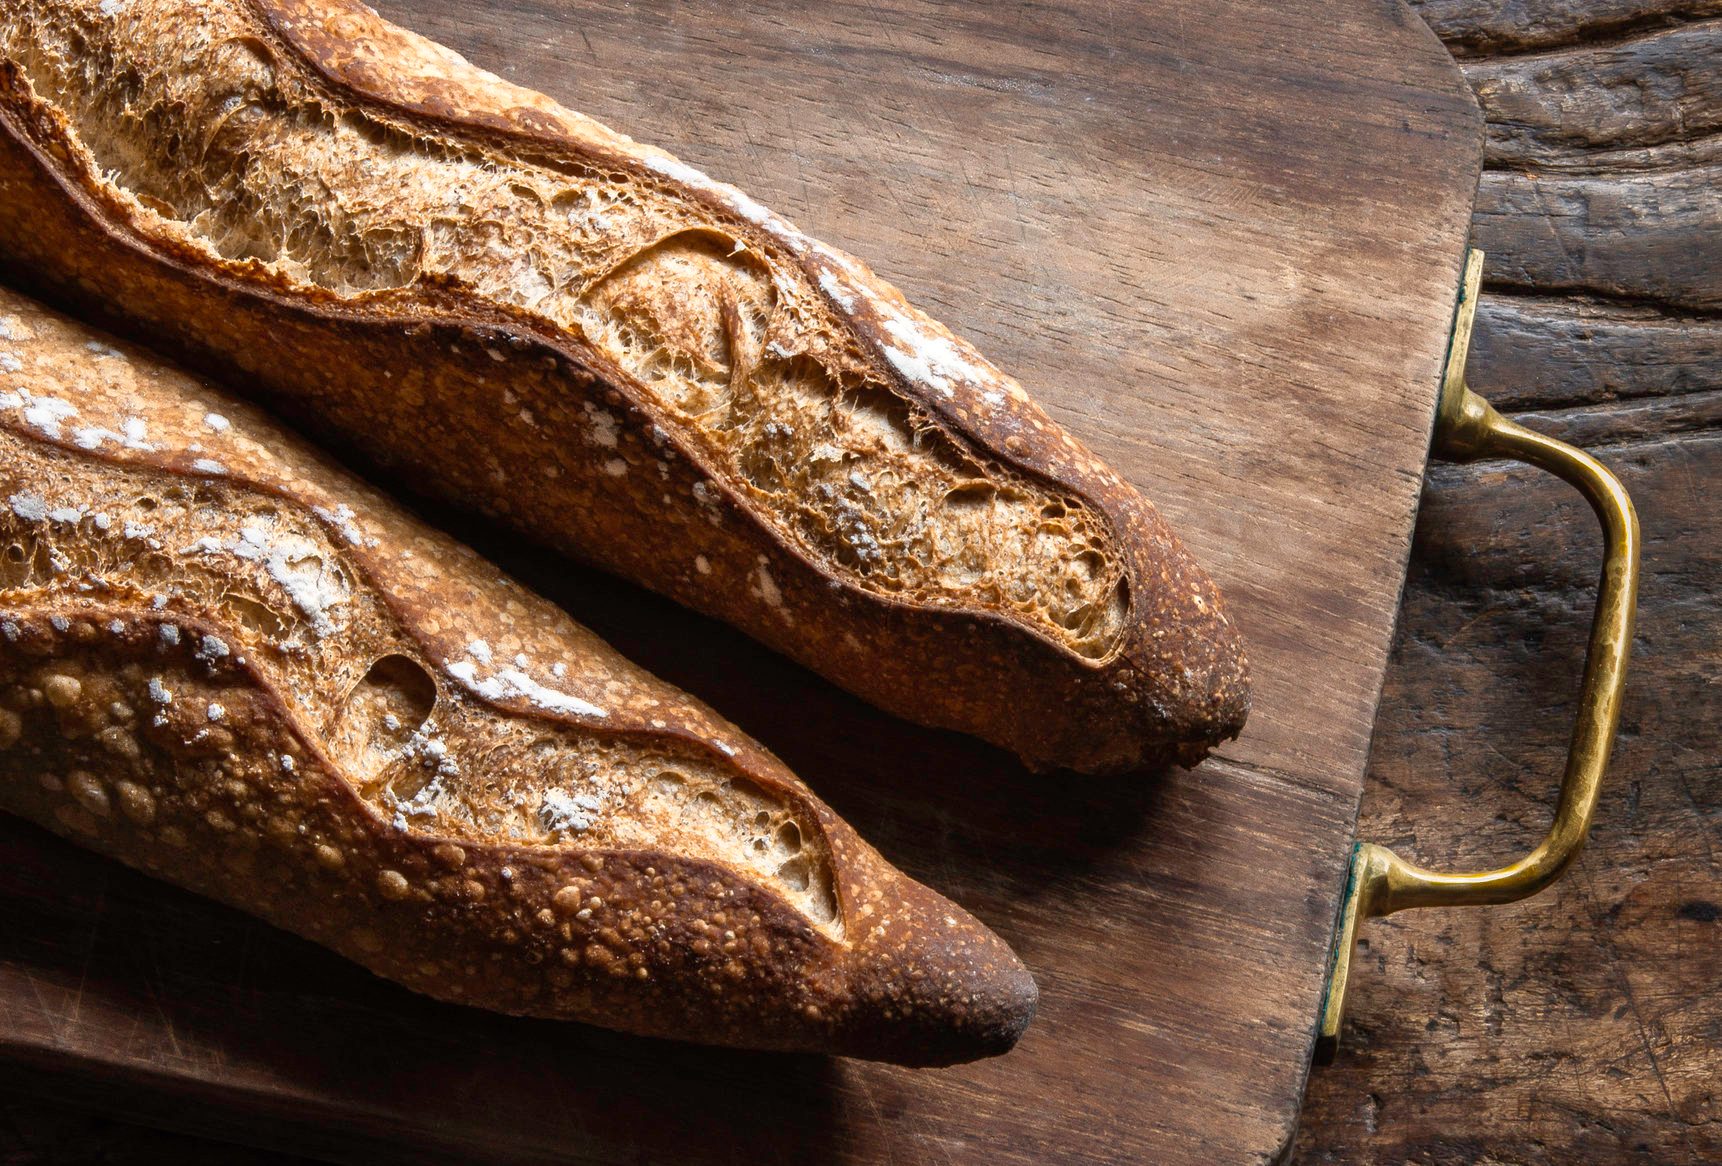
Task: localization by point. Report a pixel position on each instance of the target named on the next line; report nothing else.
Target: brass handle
(1468, 428)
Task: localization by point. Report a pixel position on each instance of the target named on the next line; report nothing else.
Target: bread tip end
(976, 1002)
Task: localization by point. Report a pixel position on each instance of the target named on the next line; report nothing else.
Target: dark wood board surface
(1220, 241)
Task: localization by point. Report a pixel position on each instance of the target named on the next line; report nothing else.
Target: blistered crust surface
(724, 410)
(230, 541)
(228, 663)
(186, 110)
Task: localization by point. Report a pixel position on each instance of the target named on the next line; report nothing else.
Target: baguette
(539, 318)
(227, 663)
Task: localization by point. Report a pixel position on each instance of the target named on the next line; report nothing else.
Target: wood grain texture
(1485, 28)
(1649, 100)
(1221, 243)
(1555, 351)
(1637, 237)
(1584, 1025)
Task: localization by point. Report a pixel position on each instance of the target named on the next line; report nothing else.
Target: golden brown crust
(228, 663)
(1153, 668)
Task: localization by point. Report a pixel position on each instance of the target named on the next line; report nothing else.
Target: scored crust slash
(622, 358)
(230, 664)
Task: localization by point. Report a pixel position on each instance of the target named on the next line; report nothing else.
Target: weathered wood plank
(1553, 351)
(1650, 100)
(1641, 237)
(1631, 421)
(1495, 27)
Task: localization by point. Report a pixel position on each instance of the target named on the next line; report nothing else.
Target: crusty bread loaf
(549, 322)
(228, 663)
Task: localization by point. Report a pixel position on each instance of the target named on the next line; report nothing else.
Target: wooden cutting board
(1221, 241)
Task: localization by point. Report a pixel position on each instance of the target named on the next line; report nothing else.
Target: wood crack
(1600, 37)
(1579, 293)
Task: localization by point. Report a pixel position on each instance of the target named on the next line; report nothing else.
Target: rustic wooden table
(1584, 1025)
